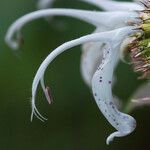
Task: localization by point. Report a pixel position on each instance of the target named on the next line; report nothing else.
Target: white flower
(112, 28)
(92, 52)
(101, 82)
(116, 19)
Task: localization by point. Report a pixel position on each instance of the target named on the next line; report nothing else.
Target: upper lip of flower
(95, 18)
(102, 78)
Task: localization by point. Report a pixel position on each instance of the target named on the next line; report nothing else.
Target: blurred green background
(75, 122)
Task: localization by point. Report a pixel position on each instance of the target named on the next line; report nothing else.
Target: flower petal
(90, 60)
(15, 28)
(91, 57)
(109, 5)
(94, 18)
(101, 86)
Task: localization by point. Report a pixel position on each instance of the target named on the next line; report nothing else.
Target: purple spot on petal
(125, 117)
(111, 103)
(109, 82)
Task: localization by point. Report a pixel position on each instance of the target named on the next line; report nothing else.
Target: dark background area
(74, 120)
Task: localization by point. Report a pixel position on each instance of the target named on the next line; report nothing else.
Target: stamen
(48, 95)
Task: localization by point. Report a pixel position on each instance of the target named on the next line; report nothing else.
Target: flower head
(101, 52)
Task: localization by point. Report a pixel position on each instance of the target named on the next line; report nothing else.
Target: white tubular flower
(92, 52)
(101, 83)
(88, 62)
(43, 4)
(103, 48)
(92, 56)
(95, 18)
